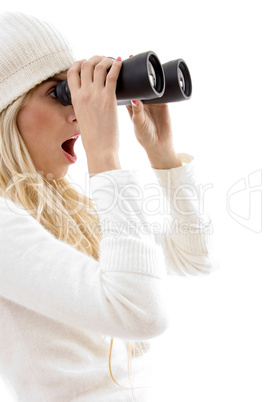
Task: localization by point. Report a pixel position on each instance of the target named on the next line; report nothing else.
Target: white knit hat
(31, 50)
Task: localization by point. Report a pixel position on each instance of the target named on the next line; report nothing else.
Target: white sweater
(59, 308)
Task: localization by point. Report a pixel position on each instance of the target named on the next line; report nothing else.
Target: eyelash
(52, 90)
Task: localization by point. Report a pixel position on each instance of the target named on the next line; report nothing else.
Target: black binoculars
(143, 77)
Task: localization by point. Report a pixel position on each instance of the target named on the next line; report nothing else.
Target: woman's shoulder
(10, 209)
(19, 227)
(14, 218)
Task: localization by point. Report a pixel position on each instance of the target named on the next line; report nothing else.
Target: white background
(216, 348)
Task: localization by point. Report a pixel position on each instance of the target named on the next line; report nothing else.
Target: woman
(81, 283)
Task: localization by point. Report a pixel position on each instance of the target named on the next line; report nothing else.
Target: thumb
(138, 115)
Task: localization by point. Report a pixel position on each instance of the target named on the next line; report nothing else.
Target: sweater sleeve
(120, 295)
(187, 236)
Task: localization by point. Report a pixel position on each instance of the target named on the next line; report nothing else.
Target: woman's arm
(187, 240)
(187, 243)
(120, 295)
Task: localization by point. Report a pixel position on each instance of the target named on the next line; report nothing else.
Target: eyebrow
(56, 78)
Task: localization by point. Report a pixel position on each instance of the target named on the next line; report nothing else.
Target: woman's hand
(152, 127)
(93, 94)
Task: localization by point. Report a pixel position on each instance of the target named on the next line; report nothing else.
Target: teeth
(74, 137)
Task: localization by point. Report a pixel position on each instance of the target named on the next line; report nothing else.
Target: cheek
(32, 122)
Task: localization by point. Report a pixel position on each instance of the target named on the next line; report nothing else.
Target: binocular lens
(178, 84)
(181, 79)
(184, 79)
(141, 77)
(152, 75)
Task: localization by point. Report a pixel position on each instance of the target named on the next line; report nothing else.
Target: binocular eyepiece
(144, 77)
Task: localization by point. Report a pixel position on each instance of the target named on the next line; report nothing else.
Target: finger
(130, 110)
(73, 75)
(138, 113)
(113, 74)
(88, 69)
(101, 71)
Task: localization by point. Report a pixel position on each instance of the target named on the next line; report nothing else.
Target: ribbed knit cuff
(131, 255)
(197, 243)
(191, 227)
(168, 178)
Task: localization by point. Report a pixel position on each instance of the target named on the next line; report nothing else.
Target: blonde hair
(56, 204)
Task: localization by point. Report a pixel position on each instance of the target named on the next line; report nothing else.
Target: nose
(71, 117)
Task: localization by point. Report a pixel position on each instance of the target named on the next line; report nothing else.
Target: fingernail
(135, 102)
(118, 58)
(131, 55)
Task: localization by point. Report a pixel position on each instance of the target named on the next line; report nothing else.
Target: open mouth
(68, 148)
